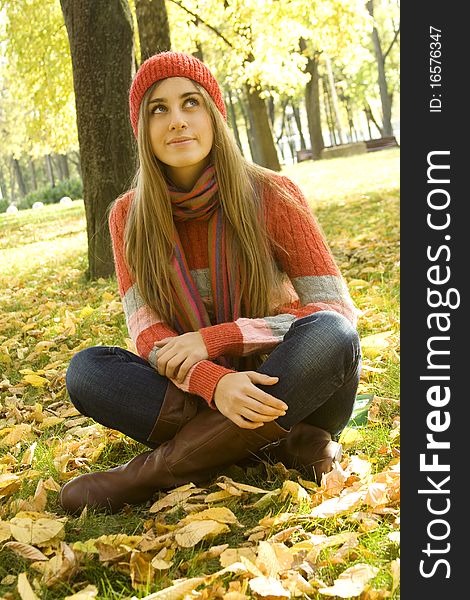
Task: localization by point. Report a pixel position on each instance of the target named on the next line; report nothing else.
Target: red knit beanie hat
(171, 64)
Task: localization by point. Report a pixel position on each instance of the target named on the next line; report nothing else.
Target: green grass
(43, 290)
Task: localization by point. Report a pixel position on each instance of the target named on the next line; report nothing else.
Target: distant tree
(386, 94)
(153, 26)
(98, 33)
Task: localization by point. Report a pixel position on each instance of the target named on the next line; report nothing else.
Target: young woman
(244, 327)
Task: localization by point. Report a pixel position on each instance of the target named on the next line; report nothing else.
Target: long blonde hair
(149, 234)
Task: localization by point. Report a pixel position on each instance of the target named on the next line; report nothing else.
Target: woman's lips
(180, 142)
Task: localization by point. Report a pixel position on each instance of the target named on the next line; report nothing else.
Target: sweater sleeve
(305, 258)
(144, 326)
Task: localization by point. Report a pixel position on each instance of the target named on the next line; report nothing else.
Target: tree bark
(19, 177)
(154, 29)
(266, 154)
(50, 170)
(99, 33)
(233, 120)
(249, 135)
(385, 96)
(34, 179)
(298, 122)
(329, 120)
(336, 118)
(64, 165)
(312, 105)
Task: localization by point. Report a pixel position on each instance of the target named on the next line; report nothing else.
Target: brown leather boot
(306, 448)
(205, 445)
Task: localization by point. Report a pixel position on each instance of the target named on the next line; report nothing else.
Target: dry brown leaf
(268, 587)
(50, 422)
(376, 494)
(5, 531)
(28, 454)
(333, 482)
(296, 584)
(159, 564)
(61, 567)
(35, 380)
(19, 433)
(175, 497)
(373, 345)
(234, 595)
(141, 569)
(267, 560)
(233, 555)
(175, 592)
(213, 552)
(218, 496)
(226, 483)
(351, 582)
(360, 466)
(192, 533)
(25, 551)
(87, 593)
(24, 588)
(336, 506)
(51, 485)
(346, 537)
(9, 484)
(221, 514)
(294, 491)
(36, 531)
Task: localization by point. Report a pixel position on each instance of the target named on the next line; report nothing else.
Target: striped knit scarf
(202, 203)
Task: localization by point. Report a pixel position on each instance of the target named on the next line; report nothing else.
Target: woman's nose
(177, 120)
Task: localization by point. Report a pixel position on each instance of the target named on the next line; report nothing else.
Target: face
(180, 129)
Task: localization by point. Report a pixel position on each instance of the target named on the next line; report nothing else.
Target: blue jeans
(318, 365)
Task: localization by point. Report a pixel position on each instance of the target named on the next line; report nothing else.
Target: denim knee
(78, 373)
(333, 329)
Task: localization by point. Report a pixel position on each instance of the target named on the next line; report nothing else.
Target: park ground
(258, 532)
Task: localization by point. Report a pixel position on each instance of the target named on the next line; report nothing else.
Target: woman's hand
(237, 397)
(178, 354)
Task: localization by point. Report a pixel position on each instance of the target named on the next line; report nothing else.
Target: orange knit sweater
(316, 284)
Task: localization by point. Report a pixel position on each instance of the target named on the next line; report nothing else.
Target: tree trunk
(298, 122)
(19, 178)
(249, 135)
(385, 97)
(154, 29)
(77, 162)
(64, 163)
(3, 187)
(233, 120)
(334, 99)
(99, 32)
(266, 154)
(329, 120)
(370, 116)
(50, 170)
(312, 105)
(270, 105)
(34, 179)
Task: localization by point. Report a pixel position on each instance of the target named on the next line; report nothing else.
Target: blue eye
(156, 109)
(193, 101)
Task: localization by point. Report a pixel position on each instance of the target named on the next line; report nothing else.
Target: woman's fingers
(268, 400)
(184, 369)
(244, 423)
(262, 408)
(257, 417)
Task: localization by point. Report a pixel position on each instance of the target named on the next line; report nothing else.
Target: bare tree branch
(196, 16)
(395, 37)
